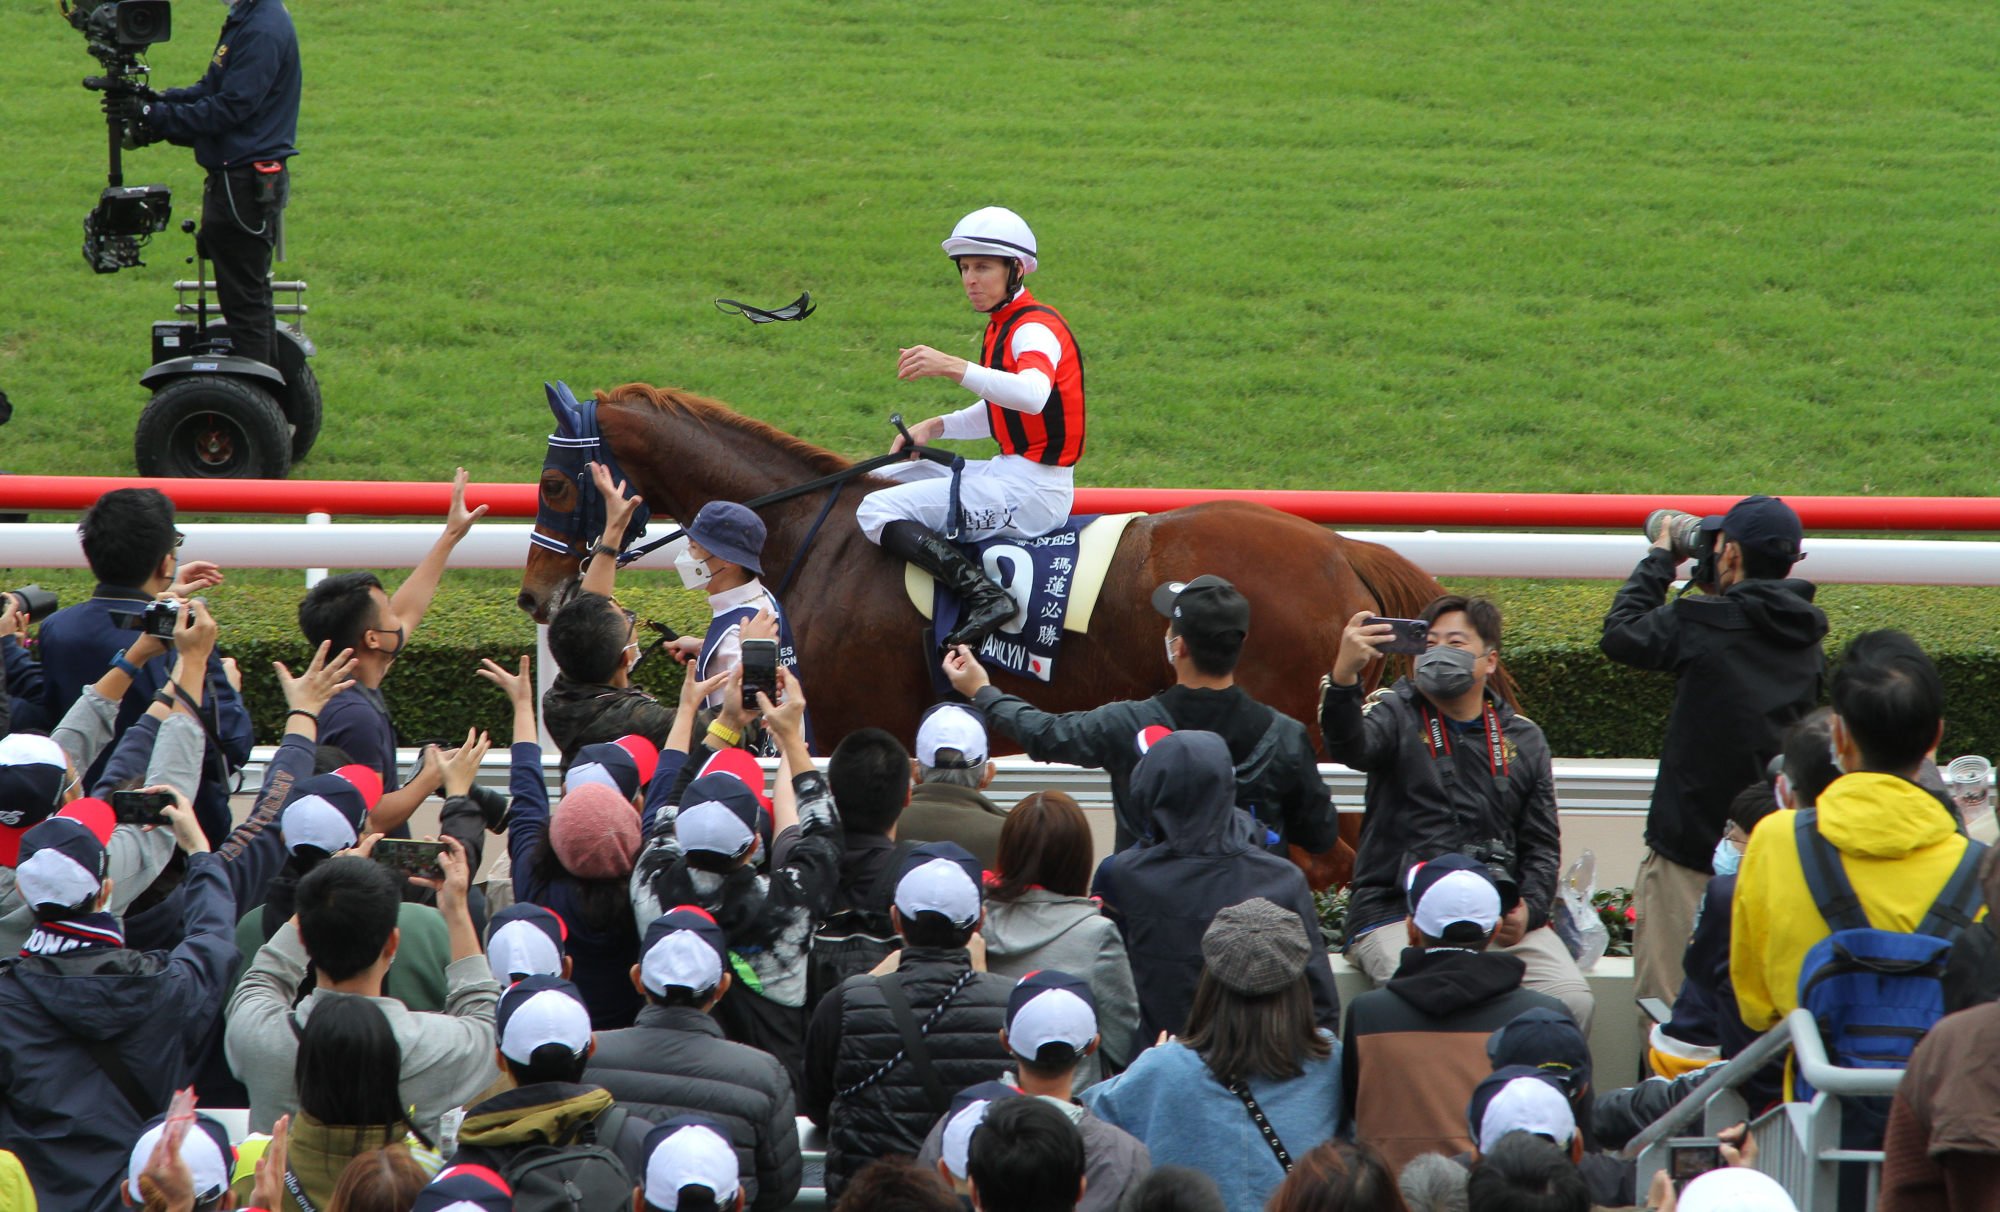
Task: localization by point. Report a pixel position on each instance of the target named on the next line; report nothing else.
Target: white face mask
(1170, 651)
(694, 573)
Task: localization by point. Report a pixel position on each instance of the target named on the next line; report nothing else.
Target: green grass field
(1539, 246)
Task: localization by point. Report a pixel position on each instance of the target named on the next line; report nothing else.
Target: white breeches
(1008, 495)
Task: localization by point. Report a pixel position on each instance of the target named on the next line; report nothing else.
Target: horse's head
(569, 513)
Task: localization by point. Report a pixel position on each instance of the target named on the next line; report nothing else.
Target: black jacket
(1420, 807)
(674, 1061)
(1202, 858)
(1277, 772)
(246, 106)
(1749, 664)
(59, 1113)
(860, 1087)
(587, 713)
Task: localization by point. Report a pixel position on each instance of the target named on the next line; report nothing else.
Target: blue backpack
(1876, 992)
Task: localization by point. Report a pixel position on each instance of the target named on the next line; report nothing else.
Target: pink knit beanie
(595, 833)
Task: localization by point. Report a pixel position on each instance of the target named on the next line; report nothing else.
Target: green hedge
(1588, 706)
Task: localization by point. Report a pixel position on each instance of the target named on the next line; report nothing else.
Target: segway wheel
(213, 427)
(302, 393)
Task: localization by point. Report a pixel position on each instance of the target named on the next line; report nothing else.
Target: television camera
(117, 33)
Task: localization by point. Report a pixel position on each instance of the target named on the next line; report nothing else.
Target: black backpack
(581, 1174)
(852, 940)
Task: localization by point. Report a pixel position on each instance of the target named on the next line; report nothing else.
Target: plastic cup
(1970, 780)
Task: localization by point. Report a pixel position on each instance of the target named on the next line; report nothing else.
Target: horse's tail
(1401, 590)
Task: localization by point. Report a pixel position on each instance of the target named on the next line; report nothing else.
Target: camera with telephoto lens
(1686, 539)
(116, 33)
(1498, 859)
(158, 619)
(32, 600)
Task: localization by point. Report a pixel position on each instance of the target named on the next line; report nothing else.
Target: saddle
(1055, 580)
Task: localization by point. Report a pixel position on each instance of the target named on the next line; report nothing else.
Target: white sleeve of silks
(1025, 390)
(972, 421)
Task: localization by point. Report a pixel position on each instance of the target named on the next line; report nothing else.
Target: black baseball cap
(1761, 524)
(1207, 607)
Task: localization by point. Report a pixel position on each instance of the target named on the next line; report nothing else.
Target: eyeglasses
(179, 538)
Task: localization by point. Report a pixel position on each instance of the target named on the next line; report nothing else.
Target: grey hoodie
(1047, 930)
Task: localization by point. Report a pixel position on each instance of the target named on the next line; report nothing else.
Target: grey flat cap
(1256, 947)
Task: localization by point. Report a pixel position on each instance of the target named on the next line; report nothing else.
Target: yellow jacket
(1898, 845)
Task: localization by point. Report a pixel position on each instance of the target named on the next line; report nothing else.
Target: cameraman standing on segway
(241, 119)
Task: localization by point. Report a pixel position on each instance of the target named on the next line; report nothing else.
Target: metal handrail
(1739, 1069)
(1799, 1140)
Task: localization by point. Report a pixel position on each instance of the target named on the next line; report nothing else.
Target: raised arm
(413, 598)
(602, 572)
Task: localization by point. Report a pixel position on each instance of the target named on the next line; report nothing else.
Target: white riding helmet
(994, 231)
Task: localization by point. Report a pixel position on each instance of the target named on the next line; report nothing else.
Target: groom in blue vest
(725, 557)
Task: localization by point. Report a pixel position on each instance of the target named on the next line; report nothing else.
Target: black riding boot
(985, 605)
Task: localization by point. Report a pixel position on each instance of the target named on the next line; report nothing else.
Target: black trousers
(239, 226)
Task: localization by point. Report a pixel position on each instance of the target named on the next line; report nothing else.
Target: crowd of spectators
(669, 964)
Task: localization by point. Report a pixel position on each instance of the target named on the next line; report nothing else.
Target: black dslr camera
(157, 619)
(1498, 858)
(32, 600)
(117, 32)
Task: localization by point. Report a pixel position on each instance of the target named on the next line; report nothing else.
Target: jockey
(1029, 381)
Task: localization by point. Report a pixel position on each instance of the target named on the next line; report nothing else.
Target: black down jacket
(863, 1091)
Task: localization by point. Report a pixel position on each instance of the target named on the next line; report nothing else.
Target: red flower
(1631, 913)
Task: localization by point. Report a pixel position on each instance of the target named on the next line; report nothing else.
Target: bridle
(578, 442)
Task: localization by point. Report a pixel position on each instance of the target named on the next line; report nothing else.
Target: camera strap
(1437, 738)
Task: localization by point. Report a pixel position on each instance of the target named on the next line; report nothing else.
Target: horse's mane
(714, 412)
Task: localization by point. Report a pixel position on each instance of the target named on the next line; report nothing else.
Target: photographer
(1748, 661)
(1452, 768)
(241, 119)
(129, 540)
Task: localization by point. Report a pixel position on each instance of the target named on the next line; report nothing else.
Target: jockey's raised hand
(923, 362)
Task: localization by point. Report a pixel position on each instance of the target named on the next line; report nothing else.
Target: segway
(216, 414)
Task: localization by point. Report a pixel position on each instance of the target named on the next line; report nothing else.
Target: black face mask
(402, 641)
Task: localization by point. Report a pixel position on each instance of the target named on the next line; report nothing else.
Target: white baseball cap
(688, 1152)
(1451, 889)
(525, 939)
(940, 877)
(208, 1165)
(1520, 1099)
(1734, 1189)
(968, 1111)
(683, 949)
(1050, 1007)
(950, 726)
(541, 1010)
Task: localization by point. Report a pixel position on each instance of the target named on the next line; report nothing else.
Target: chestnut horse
(861, 649)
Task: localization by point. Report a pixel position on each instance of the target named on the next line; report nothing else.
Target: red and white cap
(63, 859)
(625, 765)
(329, 811)
(33, 772)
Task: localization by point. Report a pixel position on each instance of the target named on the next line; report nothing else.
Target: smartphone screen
(1412, 636)
(1692, 1157)
(760, 671)
(410, 857)
(140, 807)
